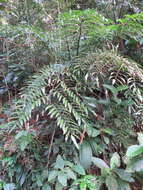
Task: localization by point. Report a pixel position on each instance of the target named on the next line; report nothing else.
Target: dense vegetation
(71, 95)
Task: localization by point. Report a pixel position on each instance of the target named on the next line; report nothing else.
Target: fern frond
(33, 95)
(60, 91)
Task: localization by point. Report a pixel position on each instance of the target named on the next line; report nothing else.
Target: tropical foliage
(71, 95)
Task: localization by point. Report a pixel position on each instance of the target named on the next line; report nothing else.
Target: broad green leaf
(111, 183)
(140, 138)
(92, 186)
(1, 186)
(134, 150)
(39, 181)
(135, 165)
(98, 184)
(59, 162)
(70, 173)
(62, 178)
(3, 1)
(138, 166)
(91, 182)
(46, 187)
(83, 186)
(106, 140)
(59, 186)
(93, 132)
(79, 169)
(122, 185)
(9, 186)
(85, 154)
(126, 176)
(67, 163)
(45, 174)
(115, 160)
(52, 175)
(100, 163)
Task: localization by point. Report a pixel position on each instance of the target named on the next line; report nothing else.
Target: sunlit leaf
(115, 160)
(9, 186)
(46, 187)
(52, 175)
(100, 163)
(83, 186)
(134, 150)
(140, 138)
(135, 165)
(62, 178)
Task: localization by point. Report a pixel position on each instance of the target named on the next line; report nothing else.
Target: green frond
(61, 92)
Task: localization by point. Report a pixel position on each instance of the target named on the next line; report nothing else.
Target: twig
(78, 42)
(68, 48)
(51, 144)
(120, 11)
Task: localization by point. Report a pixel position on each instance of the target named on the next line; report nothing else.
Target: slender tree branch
(68, 48)
(120, 11)
(79, 37)
(50, 148)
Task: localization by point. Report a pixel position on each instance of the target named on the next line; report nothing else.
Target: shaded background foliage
(71, 94)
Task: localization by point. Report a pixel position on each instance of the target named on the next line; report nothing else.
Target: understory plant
(87, 112)
(75, 100)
